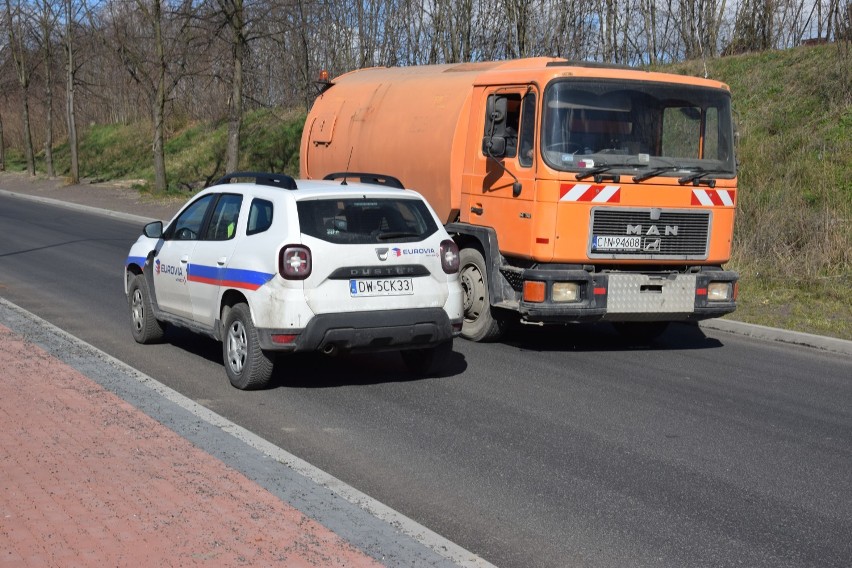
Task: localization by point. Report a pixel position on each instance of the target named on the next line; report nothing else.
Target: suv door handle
(184, 259)
(222, 260)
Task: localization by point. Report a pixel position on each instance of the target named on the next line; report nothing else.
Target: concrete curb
(762, 332)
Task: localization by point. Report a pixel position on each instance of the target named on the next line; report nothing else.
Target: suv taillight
(294, 262)
(449, 256)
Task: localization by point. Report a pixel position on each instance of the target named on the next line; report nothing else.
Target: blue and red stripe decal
(230, 277)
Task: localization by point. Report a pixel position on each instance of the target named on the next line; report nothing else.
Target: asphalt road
(557, 447)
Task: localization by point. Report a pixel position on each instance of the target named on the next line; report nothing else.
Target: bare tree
(47, 16)
(17, 30)
(70, 86)
(142, 38)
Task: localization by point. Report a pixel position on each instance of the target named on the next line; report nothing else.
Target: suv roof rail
(261, 178)
(375, 179)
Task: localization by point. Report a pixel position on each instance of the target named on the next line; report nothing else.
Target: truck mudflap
(630, 296)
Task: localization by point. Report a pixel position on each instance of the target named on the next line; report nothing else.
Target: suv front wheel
(247, 365)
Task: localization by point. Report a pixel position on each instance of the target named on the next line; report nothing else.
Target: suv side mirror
(153, 230)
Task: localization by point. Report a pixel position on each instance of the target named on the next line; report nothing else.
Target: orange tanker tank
(576, 192)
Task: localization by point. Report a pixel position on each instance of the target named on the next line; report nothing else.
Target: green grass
(794, 221)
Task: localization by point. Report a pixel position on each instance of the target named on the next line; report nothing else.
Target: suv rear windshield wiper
(396, 235)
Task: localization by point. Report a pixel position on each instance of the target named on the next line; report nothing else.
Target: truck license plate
(607, 242)
(381, 287)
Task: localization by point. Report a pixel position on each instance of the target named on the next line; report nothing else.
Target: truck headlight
(719, 292)
(566, 292)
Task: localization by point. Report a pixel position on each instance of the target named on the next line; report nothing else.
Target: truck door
(506, 157)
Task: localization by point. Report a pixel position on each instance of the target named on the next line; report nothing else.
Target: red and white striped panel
(713, 197)
(591, 193)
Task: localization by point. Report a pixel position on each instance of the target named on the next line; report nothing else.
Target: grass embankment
(792, 242)
(792, 238)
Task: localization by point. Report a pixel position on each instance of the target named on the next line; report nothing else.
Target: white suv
(280, 266)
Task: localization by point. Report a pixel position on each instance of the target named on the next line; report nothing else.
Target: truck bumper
(631, 296)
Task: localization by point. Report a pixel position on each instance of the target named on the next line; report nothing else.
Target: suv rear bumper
(387, 330)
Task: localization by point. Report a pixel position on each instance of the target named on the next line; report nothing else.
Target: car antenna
(349, 161)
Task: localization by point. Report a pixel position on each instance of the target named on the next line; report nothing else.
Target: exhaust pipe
(329, 349)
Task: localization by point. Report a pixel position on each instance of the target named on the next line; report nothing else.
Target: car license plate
(381, 287)
(607, 242)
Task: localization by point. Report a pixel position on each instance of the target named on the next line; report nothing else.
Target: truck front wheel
(480, 324)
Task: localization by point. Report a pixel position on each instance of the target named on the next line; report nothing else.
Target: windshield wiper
(594, 172)
(395, 235)
(695, 178)
(652, 173)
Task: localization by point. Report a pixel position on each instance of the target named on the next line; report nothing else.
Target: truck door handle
(184, 259)
(476, 210)
(222, 260)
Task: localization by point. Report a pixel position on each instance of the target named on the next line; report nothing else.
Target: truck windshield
(637, 126)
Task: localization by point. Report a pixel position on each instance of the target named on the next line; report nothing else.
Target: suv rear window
(366, 221)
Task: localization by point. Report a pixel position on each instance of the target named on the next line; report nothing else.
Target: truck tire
(144, 326)
(248, 367)
(427, 360)
(480, 323)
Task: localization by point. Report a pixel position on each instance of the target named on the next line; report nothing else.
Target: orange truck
(576, 192)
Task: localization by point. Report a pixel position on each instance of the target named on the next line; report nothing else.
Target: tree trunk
(2, 148)
(159, 104)
(74, 172)
(19, 55)
(235, 110)
(48, 93)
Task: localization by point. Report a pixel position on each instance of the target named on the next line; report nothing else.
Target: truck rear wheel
(480, 323)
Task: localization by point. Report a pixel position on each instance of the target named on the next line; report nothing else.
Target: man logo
(382, 253)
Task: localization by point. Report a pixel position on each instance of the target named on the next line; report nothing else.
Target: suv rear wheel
(247, 365)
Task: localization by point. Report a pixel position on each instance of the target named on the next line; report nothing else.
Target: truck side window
(527, 140)
(506, 126)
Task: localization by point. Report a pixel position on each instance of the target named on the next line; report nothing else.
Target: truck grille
(663, 234)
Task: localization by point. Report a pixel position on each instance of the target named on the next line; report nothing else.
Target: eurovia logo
(157, 266)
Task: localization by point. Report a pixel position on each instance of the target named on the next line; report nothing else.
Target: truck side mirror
(494, 146)
(494, 142)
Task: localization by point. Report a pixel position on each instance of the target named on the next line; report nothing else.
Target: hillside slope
(793, 235)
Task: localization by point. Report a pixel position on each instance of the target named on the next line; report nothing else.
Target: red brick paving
(86, 479)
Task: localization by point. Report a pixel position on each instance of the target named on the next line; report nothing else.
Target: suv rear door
(371, 253)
